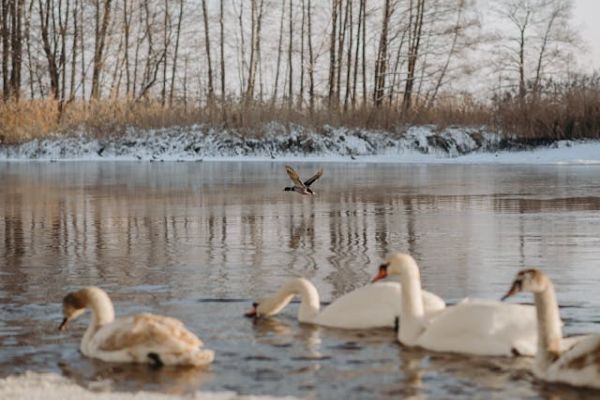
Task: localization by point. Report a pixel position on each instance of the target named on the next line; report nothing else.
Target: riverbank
(416, 144)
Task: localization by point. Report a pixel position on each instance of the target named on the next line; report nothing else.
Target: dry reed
(569, 112)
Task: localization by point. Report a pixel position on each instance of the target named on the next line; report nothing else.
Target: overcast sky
(587, 22)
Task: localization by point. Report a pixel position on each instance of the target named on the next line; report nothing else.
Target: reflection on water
(200, 240)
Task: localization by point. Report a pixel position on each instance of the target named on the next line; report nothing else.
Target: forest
(104, 65)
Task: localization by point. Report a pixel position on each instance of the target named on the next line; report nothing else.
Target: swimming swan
(370, 306)
(478, 327)
(141, 338)
(580, 364)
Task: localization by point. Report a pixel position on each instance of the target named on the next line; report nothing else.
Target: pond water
(199, 241)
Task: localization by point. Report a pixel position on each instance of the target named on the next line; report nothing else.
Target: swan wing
(579, 366)
(482, 327)
(372, 306)
(432, 304)
(294, 176)
(133, 338)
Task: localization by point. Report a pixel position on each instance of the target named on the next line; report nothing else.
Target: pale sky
(587, 21)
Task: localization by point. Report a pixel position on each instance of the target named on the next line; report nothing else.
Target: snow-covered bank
(47, 386)
(419, 144)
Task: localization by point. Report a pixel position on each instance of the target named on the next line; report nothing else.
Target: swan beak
(63, 324)
(514, 289)
(381, 274)
(252, 312)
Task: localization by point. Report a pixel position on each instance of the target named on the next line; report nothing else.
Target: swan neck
(100, 305)
(411, 317)
(549, 326)
(310, 303)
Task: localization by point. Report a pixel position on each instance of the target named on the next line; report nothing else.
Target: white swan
(371, 306)
(479, 327)
(580, 364)
(141, 338)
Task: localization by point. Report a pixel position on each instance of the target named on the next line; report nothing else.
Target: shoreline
(425, 144)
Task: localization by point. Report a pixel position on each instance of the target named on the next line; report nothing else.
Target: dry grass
(569, 112)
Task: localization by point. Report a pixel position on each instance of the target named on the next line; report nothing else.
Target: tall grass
(564, 111)
(560, 111)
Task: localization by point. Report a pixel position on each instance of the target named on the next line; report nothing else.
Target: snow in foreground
(418, 144)
(47, 386)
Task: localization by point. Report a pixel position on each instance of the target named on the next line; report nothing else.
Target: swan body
(481, 327)
(578, 365)
(141, 338)
(473, 326)
(371, 306)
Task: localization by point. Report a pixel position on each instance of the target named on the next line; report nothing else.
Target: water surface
(200, 241)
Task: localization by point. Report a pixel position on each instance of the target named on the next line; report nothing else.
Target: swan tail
(201, 357)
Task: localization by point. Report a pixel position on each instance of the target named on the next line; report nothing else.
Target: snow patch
(426, 143)
(48, 386)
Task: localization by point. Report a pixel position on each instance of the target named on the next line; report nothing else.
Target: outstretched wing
(313, 178)
(294, 176)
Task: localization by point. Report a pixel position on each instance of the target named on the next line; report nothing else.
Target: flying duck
(299, 186)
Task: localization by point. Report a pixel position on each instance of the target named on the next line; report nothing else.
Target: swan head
(397, 264)
(267, 307)
(74, 305)
(528, 280)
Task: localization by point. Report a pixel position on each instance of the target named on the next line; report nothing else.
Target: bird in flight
(299, 186)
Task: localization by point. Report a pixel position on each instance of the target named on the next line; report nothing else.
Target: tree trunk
(163, 92)
(279, 50)
(382, 54)
(174, 67)
(16, 48)
(349, 59)
(99, 49)
(28, 45)
(332, 59)
(413, 54)
(222, 46)
(364, 47)
(5, 36)
(74, 51)
(340, 52)
(49, 51)
(211, 90)
(311, 61)
(290, 66)
(256, 12)
(356, 54)
(301, 92)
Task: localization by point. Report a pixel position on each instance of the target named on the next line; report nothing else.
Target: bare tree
(49, 45)
(382, 56)
(290, 52)
(311, 60)
(211, 90)
(176, 51)
(102, 21)
(531, 29)
(356, 54)
(280, 42)
(222, 48)
(256, 15)
(332, 56)
(349, 56)
(5, 37)
(414, 42)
